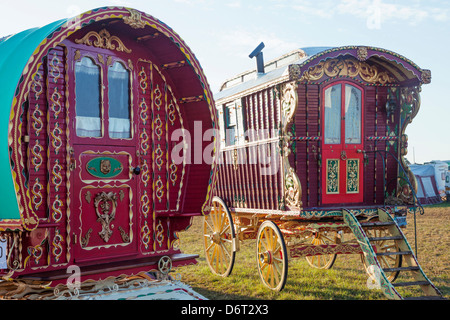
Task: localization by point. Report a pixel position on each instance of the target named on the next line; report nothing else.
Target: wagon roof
(281, 69)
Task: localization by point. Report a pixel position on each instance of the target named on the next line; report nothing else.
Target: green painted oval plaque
(104, 167)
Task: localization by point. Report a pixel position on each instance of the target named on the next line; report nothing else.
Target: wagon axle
(266, 257)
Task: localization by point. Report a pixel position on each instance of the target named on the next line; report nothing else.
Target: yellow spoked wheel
(384, 246)
(271, 255)
(219, 235)
(324, 261)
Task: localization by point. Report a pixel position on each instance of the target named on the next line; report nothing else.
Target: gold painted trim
(80, 236)
(350, 67)
(291, 183)
(103, 40)
(358, 177)
(337, 176)
(106, 154)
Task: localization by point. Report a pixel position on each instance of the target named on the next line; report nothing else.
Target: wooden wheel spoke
(209, 226)
(271, 256)
(218, 233)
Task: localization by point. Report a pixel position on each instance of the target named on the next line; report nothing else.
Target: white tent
(427, 191)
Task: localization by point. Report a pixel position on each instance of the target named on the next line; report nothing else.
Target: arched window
(342, 107)
(87, 95)
(333, 115)
(119, 101)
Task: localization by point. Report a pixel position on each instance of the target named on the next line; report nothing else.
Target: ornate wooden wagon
(96, 114)
(312, 164)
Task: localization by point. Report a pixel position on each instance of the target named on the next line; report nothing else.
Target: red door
(103, 157)
(342, 132)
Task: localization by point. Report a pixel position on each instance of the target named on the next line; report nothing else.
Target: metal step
(385, 238)
(412, 283)
(414, 268)
(394, 253)
(377, 224)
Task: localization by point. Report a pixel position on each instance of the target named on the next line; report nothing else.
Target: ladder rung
(401, 269)
(377, 224)
(393, 253)
(412, 283)
(386, 238)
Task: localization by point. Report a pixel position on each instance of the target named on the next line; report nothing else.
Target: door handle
(136, 170)
(343, 155)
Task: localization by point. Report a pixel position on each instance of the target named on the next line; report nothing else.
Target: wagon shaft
(299, 251)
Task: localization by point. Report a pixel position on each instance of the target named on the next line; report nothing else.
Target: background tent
(427, 191)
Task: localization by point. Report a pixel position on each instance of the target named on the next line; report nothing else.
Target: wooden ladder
(389, 289)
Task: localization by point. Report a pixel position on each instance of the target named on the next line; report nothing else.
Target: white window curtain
(333, 115)
(119, 104)
(87, 82)
(352, 115)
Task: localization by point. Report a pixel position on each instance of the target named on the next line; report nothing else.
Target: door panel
(104, 157)
(105, 192)
(342, 172)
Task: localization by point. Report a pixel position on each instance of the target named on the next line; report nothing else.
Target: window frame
(343, 84)
(104, 59)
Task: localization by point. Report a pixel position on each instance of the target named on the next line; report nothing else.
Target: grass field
(345, 281)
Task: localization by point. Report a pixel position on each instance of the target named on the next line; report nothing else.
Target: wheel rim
(324, 261)
(271, 256)
(218, 231)
(394, 261)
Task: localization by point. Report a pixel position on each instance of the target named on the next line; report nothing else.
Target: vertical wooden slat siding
(232, 178)
(369, 128)
(313, 106)
(254, 153)
(248, 117)
(263, 148)
(319, 149)
(300, 130)
(272, 154)
(308, 173)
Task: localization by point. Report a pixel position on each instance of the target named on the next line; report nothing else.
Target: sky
(223, 33)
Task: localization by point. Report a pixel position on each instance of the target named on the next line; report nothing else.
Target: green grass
(345, 281)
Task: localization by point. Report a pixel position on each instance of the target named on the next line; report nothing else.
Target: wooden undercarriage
(377, 237)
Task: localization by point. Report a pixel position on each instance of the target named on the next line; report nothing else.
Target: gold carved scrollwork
(362, 53)
(349, 67)
(410, 105)
(107, 204)
(104, 40)
(289, 102)
(134, 20)
(292, 184)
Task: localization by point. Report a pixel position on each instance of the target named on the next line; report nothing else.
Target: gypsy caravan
(92, 110)
(312, 164)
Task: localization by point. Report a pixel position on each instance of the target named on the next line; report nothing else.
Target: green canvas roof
(15, 51)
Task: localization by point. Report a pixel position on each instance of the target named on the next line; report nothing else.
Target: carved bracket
(292, 184)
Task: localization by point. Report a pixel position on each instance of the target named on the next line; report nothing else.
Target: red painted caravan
(93, 108)
(312, 163)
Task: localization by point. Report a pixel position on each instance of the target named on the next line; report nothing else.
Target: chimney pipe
(259, 58)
